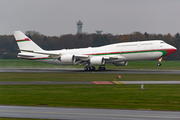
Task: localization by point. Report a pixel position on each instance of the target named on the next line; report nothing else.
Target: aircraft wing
(78, 58)
(50, 53)
(111, 57)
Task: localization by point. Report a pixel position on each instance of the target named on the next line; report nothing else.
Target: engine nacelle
(124, 63)
(97, 61)
(67, 59)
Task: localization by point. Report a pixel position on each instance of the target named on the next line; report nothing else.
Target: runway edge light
(142, 86)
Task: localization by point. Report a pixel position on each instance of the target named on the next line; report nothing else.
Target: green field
(154, 97)
(19, 63)
(117, 96)
(85, 77)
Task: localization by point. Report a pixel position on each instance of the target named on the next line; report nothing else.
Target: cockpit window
(162, 42)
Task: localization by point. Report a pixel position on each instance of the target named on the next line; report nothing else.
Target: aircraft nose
(171, 50)
(174, 49)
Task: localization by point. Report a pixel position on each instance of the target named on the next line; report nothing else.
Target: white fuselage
(145, 50)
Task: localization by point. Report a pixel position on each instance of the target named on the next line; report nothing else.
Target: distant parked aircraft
(117, 54)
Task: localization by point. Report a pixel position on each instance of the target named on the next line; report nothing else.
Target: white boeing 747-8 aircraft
(117, 54)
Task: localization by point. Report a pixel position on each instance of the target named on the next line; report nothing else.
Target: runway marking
(137, 116)
(102, 82)
(118, 82)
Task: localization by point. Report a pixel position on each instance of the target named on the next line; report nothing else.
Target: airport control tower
(79, 27)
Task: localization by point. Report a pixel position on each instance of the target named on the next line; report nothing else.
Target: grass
(18, 63)
(166, 65)
(85, 77)
(154, 97)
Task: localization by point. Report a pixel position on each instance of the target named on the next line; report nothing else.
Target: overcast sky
(58, 17)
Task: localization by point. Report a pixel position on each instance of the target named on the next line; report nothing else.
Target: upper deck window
(146, 43)
(127, 45)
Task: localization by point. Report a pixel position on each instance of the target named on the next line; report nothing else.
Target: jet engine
(67, 59)
(97, 61)
(123, 63)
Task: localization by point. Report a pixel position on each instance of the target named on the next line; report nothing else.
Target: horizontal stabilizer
(53, 55)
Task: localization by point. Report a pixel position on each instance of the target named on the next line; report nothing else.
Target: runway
(86, 82)
(76, 70)
(84, 114)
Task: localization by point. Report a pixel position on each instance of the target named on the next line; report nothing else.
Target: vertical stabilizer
(25, 43)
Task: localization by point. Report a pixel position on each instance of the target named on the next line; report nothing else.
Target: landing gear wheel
(102, 68)
(159, 64)
(93, 68)
(86, 68)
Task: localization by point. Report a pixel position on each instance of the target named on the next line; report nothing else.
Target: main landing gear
(159, 63)
(89, 68)
(101, 68)
(92, 68)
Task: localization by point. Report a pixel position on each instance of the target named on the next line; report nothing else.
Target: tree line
(9, 48)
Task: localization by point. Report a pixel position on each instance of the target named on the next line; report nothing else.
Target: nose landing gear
(159, 63)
